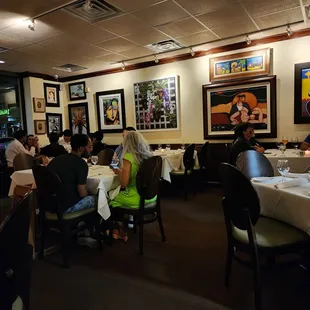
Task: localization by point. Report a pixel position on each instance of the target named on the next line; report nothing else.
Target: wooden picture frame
(229, 103)
(302, 93)
(77, 91)
(51, 94)
(39, 105)
(111, 113)
(54, 123)
(40, 127)
(240, 66)
(79, 118)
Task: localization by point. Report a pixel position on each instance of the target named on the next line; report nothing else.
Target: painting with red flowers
(78, 118)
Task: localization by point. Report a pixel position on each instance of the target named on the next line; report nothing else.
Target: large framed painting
(111, 110)
(51, 94)
(78, 118)
(77, 91)
(54, 123)
(156, 104)
(225, 105)
(302, 93)
(241, 65)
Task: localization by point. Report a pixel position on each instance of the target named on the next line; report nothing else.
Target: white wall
(194, 73)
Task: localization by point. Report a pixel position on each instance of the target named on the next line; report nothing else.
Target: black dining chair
(148, 184)
(188, 162)
(22, 162)
(250, 233)
(16, 254)
(203, 165)
(105, 157)
(228, 148)
(49, 197)
(254, 164)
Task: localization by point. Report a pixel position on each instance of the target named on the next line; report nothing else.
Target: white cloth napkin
(299, 175)
(291, 183)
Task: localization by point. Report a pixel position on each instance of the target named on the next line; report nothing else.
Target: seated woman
(135, 150)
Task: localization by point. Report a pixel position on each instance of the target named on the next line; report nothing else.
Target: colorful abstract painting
(305, 92)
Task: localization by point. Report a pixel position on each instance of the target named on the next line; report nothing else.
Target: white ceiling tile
(129, 5)
(230, 30)
(198, 38)
(10, 42)
(147, 36)
(112, 58)
(137, 52)
(117, 45)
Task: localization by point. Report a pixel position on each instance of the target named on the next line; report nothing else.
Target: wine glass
(94, 160)
(159, 147)
(183, 147)
(283, 167)
(295, 143)
(168, 147)
(282, 148)
(284, 140)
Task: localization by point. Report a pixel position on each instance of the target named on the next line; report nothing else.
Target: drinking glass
(94, 160)
(295, 143)
(283, 167)
(183, 147)
(168, 147)
(284, 140)
(279, 143)
(159, 147)
(282, 148)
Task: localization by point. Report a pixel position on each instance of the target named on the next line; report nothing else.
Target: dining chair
(307, 170)
(22, 162)
(228, 148)
(50, 191)
(203, 165)
(105, 157)
(250, 233)
(16, 255)
(148, 184)
(254, 164)
(188, 162)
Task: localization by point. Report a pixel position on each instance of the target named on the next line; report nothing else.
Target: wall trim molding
(38, 75)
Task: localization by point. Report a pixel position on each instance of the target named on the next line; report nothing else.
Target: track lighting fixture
(192, 52)
(123, 66)
(248, 40)
(31, 24)
(156, 59)
(289, 31)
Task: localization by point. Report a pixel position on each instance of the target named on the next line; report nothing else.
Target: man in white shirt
(16, 147)
(65, 142)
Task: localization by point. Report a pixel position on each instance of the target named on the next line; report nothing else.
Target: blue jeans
(85, 203)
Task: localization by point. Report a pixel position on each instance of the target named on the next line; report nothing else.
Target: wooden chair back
(105, 157)
(22, 162)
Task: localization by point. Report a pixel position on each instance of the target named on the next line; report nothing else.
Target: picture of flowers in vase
(156, 104)
(78, 117)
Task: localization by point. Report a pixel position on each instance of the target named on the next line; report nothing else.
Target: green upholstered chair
(49, 197)
(148, 185)
(188, 162)
(250, 233)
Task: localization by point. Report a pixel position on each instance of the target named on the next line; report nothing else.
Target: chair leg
(42, 224)
(257, 281)
(98, 231)
(63, 236)
(141, 226)
(134, 225)
(185, 188)
(161, 227)
(230, 252)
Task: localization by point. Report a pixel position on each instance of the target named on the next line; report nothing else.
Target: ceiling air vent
(69, 68)
(165, 46)
(3, 49)
(92, 10)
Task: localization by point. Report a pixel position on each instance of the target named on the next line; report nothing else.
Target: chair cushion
(196, 167)
(271, 233)
(69, 216)
(179, 172)
(146, 206)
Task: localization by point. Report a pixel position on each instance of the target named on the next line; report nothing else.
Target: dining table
(173, 160)
(297, 163)
(290, 205)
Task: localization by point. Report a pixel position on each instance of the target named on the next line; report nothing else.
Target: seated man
(53, 149)
(119, 150)
(244, 141)
(98, 146)
(16, 147)
(72, 171)
(306, 144)
(65, 141)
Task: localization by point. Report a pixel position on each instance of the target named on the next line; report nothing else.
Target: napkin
(299, 175)
(291, 183)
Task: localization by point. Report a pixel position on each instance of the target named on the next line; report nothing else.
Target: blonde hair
(136, 144)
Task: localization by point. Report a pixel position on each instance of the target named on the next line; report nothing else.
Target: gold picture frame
(40, 127)
(39, 105)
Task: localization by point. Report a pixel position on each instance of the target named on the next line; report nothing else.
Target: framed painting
(302, 94)
(78, 118)
(77, 91)
(51, 94)
(54, 123)
(40, 127)
(227, 104)
(39, 105)
(111, 110)
(241, 65)
(156, 104)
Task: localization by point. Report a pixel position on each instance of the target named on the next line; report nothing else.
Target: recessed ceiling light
(2, 61)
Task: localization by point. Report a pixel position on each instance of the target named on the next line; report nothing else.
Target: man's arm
(305, 146)
(82, 173)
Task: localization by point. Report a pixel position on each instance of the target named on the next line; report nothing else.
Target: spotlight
(123, 66)
(289, 31)
(156, 59)
(248, 40)
(192, 52)
(2, 61)
(31, 25)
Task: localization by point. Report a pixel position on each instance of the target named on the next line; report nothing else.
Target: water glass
(295, 143)
(283, 167)
(159, 147)
(94, 160)
(168, 147)
(282, 148)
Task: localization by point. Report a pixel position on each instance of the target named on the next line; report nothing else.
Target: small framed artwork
(51, 94)
(54, 123)
(111, 110)
(77, 91)
(225, 105)
(302, 93)
(78, 118)
(241, 65)
(40, 127)
(39, 105)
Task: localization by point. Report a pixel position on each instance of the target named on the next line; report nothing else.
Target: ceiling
(61, 38)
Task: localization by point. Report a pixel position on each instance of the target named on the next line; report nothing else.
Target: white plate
(261, 179)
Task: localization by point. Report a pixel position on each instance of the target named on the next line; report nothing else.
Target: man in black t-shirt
(98, 146)
(72, 171)
(53, 149)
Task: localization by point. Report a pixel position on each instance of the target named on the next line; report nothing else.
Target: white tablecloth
(290, 205)
(172, 160)
(100, 180)
(297, 163)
